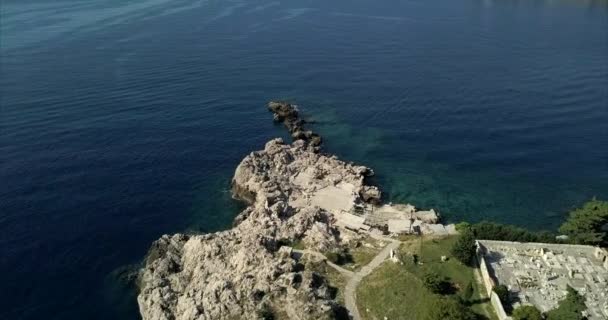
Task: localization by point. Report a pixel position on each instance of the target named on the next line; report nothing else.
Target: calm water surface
(124, 120)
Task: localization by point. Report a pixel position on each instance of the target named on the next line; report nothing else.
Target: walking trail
(350, 291)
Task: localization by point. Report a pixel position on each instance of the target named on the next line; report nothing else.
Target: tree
(449, 308)
(495, 231)
(527, 313)
(503, 293)
(462, 226)
(587, 225)
(464, 248)
(435, 283)
(467, 294)
(570, 308)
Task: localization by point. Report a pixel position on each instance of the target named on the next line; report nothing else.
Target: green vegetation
(297, 244)
(527, 313)
(450, 308)
(503, 294)
(333, 256)
(395, 290)
(467, 293)
(435, 283)
(496, 231)
(339, 257)
(587, 225)
(391, 291)
(464, 248)
(360, 254)
(356, 255)
(570, 308)
(425, 287)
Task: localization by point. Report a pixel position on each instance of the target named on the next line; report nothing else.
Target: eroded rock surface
(242, 273)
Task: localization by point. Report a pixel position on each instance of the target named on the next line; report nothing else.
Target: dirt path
(350, 292)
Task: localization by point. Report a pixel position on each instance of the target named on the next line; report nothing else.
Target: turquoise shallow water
(124, 120)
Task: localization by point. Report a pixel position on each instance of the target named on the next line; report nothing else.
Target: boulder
(371, 194)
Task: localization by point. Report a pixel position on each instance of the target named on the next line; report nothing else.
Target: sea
(123, 120)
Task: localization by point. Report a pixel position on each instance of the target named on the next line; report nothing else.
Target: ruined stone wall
(485, 274)
(588, 250)
(489, 283)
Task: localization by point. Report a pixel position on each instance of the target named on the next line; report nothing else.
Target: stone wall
(485, 274)
(588, 250)
(489, 283)
(497, 304)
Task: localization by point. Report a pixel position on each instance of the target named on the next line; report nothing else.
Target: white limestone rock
(235, 273)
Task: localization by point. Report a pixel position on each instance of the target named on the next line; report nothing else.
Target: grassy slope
(392, 292)
(396, 291)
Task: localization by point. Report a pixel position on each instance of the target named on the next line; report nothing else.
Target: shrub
(435, 283)
(527, 313)
(586, 225)
(333, 257)
(339, 257)
(449, 308)
(496, 231)
(570, 308)
(464, 247)
(462, 226)
(503, 293)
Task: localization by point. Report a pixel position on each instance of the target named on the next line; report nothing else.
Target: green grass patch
(298, 245)
(395, 290)
(362, 254)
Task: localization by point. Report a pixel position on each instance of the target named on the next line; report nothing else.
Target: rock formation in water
(244, 272)
(288, 114)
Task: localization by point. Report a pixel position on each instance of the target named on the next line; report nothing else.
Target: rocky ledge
(246, 272)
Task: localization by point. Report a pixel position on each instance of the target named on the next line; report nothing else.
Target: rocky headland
(242, 273)
(295, 194)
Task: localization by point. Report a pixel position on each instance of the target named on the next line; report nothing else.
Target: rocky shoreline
(293, 191)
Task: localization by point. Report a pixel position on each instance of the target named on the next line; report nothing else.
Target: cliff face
(242, 272)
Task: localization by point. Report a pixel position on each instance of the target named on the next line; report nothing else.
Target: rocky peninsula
(295, 194)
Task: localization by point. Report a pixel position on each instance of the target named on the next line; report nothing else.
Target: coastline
(295, 194)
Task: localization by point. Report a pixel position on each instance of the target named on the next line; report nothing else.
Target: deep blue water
(124, 120)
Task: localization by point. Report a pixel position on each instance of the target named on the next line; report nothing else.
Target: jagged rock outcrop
(371, 194)
(288, 114)
(241, 273)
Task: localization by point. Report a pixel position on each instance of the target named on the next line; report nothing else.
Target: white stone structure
(404, 219)
(539, 273)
